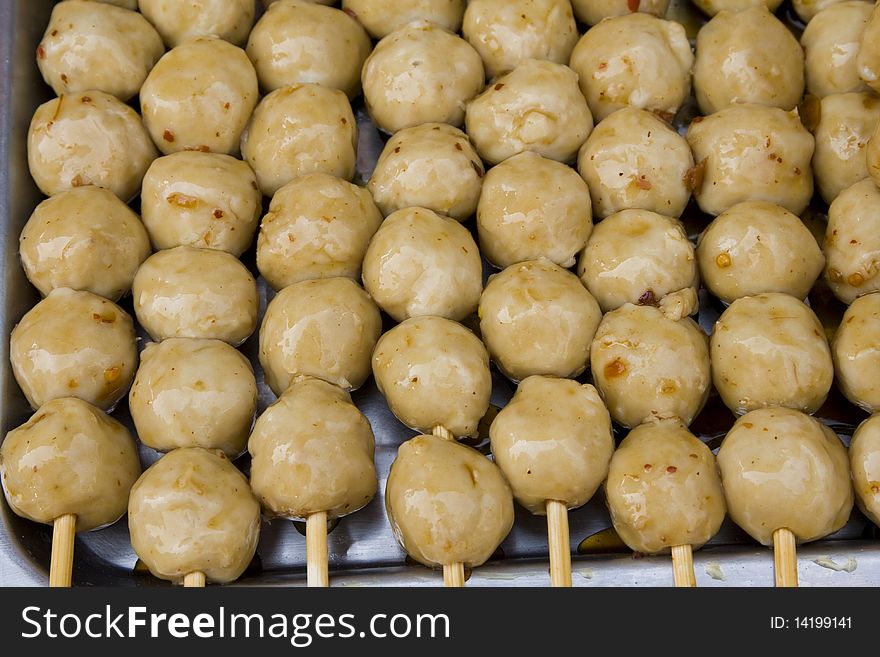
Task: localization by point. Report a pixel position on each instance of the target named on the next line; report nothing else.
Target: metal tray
(362, 548)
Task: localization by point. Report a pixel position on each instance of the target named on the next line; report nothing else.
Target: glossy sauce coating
(831, 44)
(856, 352)
(381, 17)
(852, 242)
(179, 22)
(864, 458)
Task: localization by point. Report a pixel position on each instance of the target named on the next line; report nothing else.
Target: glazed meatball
(663, 489)
(637, 256)
(318, 226)
(432, 166)
(647, 366)
(852, 242)
(872, 155)
(537, 318)
(125, 4)
(74, 344)
(855, 352)
(193, 511)
(193, 393)
(846, 124)
(84, 239)
(179, 22)
(195, 293)
(506, 33)
(207, 200)
(752, 153)
(868, 59)
(748, 56)
(434, 372)
(536, 107)
(69, 458)
(634, 160)
(864, 458)
(199, 97)
(324, 328)
(553, 442)
(782, 469)
(298, 130)
(831, 44)
(712, 7)
(806, 9)
(593, 11)
(770, 350)
(312, 451)
(420, 74)
(92, 45)
(88, 138)
(636, 60)
(757, 247)
(420, 263)
(302, 42)
(533, 207)
(447, 503)
(381, 17)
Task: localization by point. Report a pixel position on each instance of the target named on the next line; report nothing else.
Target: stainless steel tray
(362, 548)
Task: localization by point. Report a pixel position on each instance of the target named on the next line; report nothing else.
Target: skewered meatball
(593, 11)
(663, 489)
(783, 469)
(864, 458)
(553, 442)
(868, 59)
(434, 372)
(195, 293)
(852, 242)
(447, 503)
(712, 7)
(831, 44)
(179, 22)
(420, 263)
(193, 511)
(856, 354)
(193, 393)
(325, 328)
(312, 451)
(74, 344)
(88, 138)
(381, 17)
(84, 239)
(69, 458)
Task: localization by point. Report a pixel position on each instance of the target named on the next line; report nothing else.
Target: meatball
(770, 350)
(199, 97)
(637, 256)
(88, 138)
(302, 42)
(193, 511)
(447, 503)
(872, 155)
(84, 239)
(752, 153)
(381, 17)
(852, 242)
(198, 199)
(432, 166)
(195, 293)
(537, 318)
(868, 59)
(864, 458)
(506, 33)
(69, 458)
(757, 247)
(748, 56)
(634, 160)
(193, 393)
(663, 489)
(647, 366)
(846, 124)
(856, 354)
(712, 7)
(298, 130)
(125, 4)
(533, 207)
(553, 442)
(92, 45)
(318, 226)
(593, 11)
(420, 74)
(782, 469)
(420, 263)
(635, 60)
(74, 344)
(806, 9)
(536, 107)
(179, 22)
(312, 451)
(831, 44)
(434, 372)
(325, 328)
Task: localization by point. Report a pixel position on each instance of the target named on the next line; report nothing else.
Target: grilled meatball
(831, 42)
(593, 11)
(864, 458)
(856, 354)
(852, 242)
(381, 17)
(179, 22)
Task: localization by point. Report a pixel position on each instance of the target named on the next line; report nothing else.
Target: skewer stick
(194, 580)
(61, 568)
(785, 558)
(559, 542)
(453, 573)
(683, 566)
(316, 550)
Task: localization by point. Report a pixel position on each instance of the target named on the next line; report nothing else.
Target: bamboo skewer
(785, 558)
(453, 573)
(316, 550)
(63, 533)
(194, 580)
(683, 566)
(559, 542)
